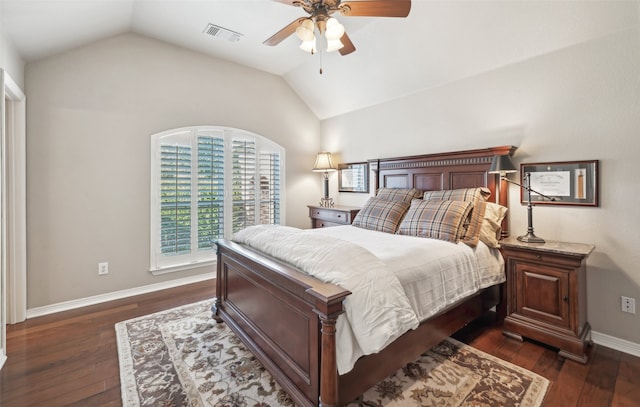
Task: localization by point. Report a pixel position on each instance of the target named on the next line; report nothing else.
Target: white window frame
(159, 264)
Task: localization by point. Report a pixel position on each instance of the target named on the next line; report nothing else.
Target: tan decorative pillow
(399, 194)
(381, 215)
(477, 196)
(491, 224)
(435, 219)
(462, 194)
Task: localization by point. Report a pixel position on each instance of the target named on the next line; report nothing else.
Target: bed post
(328, 313)
(329, 365)
(376, 175)
(215, 307)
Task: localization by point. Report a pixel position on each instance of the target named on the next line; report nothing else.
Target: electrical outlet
(103, 268)
(628, 305)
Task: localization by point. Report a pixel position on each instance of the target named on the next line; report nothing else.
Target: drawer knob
(539, 256)
(339, 216)
(565, 299)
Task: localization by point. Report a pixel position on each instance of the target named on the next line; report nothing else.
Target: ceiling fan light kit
(332, 29)
(320, 19)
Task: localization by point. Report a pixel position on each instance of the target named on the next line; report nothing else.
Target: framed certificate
(568, 182)
(353, 177)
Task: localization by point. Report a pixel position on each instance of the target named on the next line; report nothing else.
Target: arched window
(208, 182)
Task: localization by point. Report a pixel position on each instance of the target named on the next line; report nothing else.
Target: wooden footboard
(287, 320)
(285, 317)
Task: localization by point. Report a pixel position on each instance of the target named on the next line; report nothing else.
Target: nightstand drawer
(319, 223)
(322, 217)
(540, 257)
(330, 215)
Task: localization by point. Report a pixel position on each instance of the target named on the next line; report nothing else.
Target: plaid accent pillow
(381, 215)
(399, 194)
(435, 219)
(478, 197)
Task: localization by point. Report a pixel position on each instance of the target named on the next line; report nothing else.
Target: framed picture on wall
(353, 177)
(568, 183)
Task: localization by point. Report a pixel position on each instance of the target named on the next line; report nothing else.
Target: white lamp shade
(324, 163)
(335, 30)
(305, 30)
(309, 46)
(334, 45)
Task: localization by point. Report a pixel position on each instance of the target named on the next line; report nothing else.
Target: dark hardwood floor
(70, 358)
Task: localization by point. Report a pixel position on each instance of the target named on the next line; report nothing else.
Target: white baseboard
(3, 358)
(612, 342)
(97, 299)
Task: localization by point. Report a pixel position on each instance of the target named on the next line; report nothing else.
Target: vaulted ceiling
(439, 42)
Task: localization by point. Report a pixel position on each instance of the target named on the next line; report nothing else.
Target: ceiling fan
(320, 19)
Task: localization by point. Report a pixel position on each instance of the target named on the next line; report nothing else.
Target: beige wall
(580, 103)
(90, 115)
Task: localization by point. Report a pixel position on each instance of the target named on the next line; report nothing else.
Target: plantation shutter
(210, 191)
(243, 153)
(269, 188)
(175, 199)
(208, 182)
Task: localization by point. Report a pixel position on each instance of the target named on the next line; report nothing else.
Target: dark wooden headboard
(435, 172)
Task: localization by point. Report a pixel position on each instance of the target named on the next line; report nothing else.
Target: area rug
(181, 357)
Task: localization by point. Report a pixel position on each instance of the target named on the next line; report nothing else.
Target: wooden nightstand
(546, 292)
(322, 217)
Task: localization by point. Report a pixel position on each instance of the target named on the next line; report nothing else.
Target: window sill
(181, 267)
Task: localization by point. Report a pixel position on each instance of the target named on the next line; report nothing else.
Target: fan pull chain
(320, 54)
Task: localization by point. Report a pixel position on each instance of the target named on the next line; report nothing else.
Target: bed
(287, 318)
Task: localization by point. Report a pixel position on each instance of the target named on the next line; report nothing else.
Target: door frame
(13, 225)
(13, 200)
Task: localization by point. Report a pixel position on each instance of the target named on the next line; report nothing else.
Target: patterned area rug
(181, 357)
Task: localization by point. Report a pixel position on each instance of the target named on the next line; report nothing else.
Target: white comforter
(433, 273)
(407, 280)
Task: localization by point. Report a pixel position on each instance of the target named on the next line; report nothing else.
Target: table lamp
(324, 164)
(502, 164)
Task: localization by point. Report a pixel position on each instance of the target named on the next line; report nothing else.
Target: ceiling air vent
(221, 32)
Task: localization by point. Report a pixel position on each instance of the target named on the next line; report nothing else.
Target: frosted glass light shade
(305, 30)
(309, 46)
(335, 30)
(334, 45)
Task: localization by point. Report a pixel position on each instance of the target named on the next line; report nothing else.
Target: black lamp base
(530, 238)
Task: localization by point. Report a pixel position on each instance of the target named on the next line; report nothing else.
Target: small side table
(547, 294)
(322, 217)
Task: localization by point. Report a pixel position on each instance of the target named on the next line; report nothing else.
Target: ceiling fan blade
(348, 45)
(376, 8)
(278, 37)
(289, 2)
